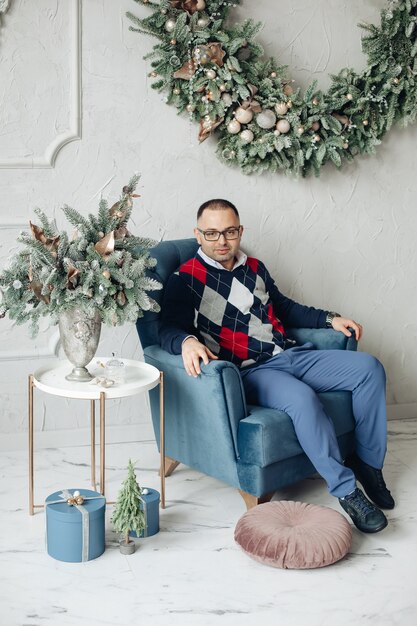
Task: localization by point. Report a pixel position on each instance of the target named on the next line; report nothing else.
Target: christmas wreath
(217, 73)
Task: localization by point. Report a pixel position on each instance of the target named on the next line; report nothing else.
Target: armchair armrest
(213, 403)
(323, 338)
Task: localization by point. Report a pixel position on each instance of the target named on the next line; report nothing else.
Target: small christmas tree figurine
(127, 514)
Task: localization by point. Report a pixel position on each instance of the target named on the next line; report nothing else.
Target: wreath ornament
(218, 74)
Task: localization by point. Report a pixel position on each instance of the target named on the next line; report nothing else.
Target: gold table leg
(102, 440)
(93, 444)
(31, 479)
(162, 437)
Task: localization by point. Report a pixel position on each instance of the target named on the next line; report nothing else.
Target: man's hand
(192, 352)
(342, 324)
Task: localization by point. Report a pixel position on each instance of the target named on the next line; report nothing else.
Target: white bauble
(170, 25)
(246, 136)
(227, 99)
(202, 22)
(244, 116)
(283, 126)
(200, 5)
(211, 74)
(233, 127)
(266, 119)
(281, 108)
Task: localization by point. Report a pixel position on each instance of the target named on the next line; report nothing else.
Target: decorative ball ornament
(173, 42)
(244, 116)
(201, 5)
(281, 108)
(170, 25)
(266, 119)
(246, 135)
(106, 274)
(233, 127)
(190, 108)
(365, 122)
(283, 126)
(300, 130)
(202, 22)
(315, 126)
(176, 91)
(316, 138)
(273, 74)
(227, 99)
(316, 102)
(276, 132)
(16, 284)
(211, 74)
(288, 90)
(349, 96)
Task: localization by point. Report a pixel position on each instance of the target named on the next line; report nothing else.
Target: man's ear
(197, 235)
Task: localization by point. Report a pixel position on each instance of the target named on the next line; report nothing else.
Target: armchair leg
(252, 501)
(170, 465)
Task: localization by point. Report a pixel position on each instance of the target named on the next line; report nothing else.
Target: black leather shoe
(365, 515)
(372, 481)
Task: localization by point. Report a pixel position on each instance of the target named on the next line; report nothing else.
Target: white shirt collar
(240, 259)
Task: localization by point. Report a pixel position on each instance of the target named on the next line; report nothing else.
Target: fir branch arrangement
(102, 266)
(216, 72)
(128, 515)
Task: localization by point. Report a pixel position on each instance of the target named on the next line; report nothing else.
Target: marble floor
(192, 573)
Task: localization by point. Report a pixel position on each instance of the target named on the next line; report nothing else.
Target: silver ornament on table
(246, 136)
(170, 25)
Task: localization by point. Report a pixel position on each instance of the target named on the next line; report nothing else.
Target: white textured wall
(345, 241)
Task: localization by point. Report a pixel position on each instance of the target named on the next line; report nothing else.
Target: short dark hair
(216, 203)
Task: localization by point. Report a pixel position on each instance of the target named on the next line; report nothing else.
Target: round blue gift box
(151, 508)
(64, 527)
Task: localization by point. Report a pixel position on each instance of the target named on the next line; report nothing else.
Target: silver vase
(80, 334)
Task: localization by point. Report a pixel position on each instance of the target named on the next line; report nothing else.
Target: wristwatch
(330, 317)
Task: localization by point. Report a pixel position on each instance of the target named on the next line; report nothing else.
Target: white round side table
(138, 377)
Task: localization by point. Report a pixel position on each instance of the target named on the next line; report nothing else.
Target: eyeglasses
(214, 235)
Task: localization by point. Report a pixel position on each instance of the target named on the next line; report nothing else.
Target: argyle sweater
(239, 314)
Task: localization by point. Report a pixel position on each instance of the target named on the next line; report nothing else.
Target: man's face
(217, 220)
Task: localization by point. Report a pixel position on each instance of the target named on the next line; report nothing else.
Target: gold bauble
(106, 274)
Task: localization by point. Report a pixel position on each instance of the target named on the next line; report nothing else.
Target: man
(224, 305)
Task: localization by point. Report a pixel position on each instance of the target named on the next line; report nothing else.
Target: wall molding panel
(48, 158)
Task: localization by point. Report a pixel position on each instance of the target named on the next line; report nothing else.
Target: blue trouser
(289, 382)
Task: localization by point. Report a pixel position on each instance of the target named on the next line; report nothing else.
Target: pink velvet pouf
(294, 535)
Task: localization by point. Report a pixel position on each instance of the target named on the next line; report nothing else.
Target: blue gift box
(75, 533)
(149, 504)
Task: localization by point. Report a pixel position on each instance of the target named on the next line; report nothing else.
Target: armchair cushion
(266, 436)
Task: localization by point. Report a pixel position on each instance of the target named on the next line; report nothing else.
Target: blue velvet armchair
(209, 426)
